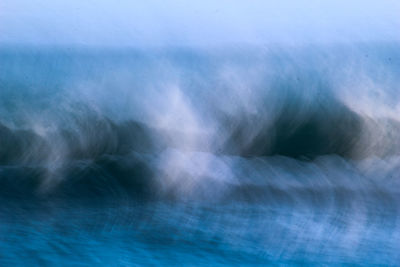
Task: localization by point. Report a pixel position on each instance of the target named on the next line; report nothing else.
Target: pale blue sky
(177, 22)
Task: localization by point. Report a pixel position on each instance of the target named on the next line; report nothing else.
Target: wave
(244, 124)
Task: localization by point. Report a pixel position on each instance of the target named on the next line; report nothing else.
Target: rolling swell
(109, 160)
(129, 124)
(306, 137)
(265, 156)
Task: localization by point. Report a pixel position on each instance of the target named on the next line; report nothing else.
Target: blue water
(247, 156)
(199, 234)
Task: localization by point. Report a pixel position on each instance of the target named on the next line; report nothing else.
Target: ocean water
(198, 157)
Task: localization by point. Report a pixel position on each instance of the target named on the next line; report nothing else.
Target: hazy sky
(207, 22)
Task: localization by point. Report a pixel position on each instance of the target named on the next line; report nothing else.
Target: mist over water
(256, 140)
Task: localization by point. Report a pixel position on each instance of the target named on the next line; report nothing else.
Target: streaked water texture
(207, 156)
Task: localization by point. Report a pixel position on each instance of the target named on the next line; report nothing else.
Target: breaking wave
(264, 154)
(76, 122)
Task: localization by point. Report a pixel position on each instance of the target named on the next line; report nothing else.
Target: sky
(120, 23)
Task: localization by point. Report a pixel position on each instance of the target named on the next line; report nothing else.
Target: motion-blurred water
(253, 155)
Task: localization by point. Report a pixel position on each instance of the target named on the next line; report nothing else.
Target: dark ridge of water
(282, 156)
